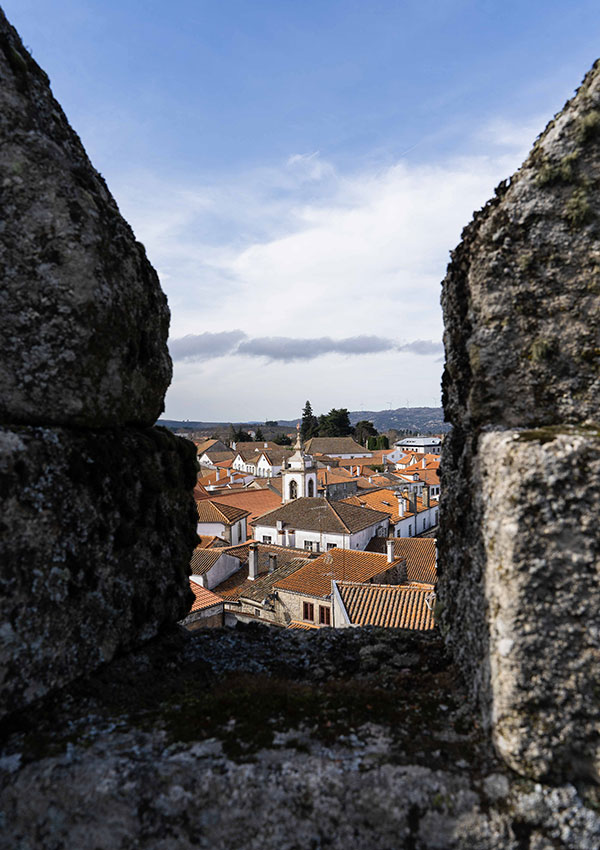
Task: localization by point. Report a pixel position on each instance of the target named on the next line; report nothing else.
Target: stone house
(306, 593)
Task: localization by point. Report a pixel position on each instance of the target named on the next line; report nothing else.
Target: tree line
(336, 423)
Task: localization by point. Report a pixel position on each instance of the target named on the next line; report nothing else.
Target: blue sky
(299, 171)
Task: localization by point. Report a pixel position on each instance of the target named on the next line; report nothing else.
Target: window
(324, 615)
(267, 538)
(311, 488)
(311, 546)
(308, 611)
(293, 490)
(331, 546)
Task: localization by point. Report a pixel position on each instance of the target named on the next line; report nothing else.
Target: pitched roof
(319, 514)
(204, 559)
(211, 541)
(333, 446)
(399, 606)
(334, 476)
(295, 624)
(219, 512)
(418, 552)
(254, 502)
(238, 584)
(314, 579)
(203, 598)
(378, 500)
(427, 476)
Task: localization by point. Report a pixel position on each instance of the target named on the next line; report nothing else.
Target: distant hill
(421, 419)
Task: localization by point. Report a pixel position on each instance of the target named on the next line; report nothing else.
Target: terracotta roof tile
(203, 559)
(210, 541)
(295, 624)
(315, 577)
(203, 598)
(418, 552)
(238, 584)
(399, 606)
(219, 512)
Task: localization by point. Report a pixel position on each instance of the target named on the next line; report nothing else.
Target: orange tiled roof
(254, 502)
(427, 476)
(399, 606)
(378, 500)
(418, 552)
(210, 541)
(295, 624)
(219, 512)
(315, 577)
(203, 598)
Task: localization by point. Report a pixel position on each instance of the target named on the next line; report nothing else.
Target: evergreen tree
(363, 430)
(259, 436)
(282, 440)
(335, 424)
(309, 426)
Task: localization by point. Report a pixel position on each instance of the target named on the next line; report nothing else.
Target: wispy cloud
(288, 349)
(205, 346)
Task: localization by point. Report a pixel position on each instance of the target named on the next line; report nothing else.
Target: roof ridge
(337, 515)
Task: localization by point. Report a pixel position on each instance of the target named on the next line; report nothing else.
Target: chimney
(265, 445)
(234, 446)
(390, 551)
(253, 562)
(412, 501)
(218, 473)
(424, 464)
(400, 504)
(272, 562)
(425, 496)
(328, 467)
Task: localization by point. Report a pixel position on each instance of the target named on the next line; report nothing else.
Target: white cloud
(304, 251)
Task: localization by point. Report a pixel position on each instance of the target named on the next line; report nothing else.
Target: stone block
(521, 297)
(531, 566)
(96, 534)
(83, 320)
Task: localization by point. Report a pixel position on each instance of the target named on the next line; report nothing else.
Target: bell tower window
(293, 490)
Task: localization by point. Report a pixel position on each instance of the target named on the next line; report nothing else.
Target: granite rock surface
(83, 320)
(96, 531)
(519, 544)
(263, 739)
(521, 299)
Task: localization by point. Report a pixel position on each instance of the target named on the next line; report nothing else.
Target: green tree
(363, 430)
(271, 423)
(335, 424)
(282, 440)
(309, 426)
(383, 442)
(259, 436)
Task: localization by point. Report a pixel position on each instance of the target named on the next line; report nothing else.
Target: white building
(424, 445)
(318, 525)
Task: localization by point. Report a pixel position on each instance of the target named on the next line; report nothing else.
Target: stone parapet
(523, 594)
(96, 530)
(83, 320)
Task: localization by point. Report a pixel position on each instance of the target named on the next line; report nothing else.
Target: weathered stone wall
(519, 542)
(97, 520)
